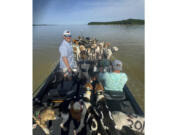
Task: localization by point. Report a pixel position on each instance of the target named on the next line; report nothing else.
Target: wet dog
(43, 116)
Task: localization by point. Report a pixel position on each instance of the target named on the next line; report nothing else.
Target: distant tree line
(44, 24)
(128, 21)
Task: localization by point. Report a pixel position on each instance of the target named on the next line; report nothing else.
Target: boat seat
(114, 95)
(63, 90)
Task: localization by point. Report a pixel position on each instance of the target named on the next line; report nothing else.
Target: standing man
(66, 54)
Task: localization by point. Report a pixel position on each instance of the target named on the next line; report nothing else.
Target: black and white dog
(77, 111)
(90, 117)
(106, 118)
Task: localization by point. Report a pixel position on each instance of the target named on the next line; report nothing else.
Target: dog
(107, 45)
(43, 116)
(86, 106)
(89, 53)
(76, 111)
(132, 121)
(76, 51)
(74, 114)
(82, 48)
(115, 49)
(89, 116)
(106, 118)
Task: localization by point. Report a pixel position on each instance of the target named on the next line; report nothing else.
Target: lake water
(129, 39)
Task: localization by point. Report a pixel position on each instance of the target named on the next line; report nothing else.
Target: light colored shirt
(113, 81)
(65, 49)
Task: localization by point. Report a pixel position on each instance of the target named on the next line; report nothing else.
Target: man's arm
(64, 54)
(66, 63)
(124, 79)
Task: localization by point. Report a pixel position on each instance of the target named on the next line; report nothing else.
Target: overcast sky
(84, 11)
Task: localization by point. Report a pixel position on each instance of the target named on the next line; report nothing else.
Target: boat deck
(57, 131)
(127, 104)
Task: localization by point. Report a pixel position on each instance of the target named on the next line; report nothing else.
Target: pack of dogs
(92, 49)
(89, 114)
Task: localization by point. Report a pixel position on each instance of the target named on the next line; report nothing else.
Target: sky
(84, 11)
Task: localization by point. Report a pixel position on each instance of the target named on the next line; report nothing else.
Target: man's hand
(69, 70)
(67, 64)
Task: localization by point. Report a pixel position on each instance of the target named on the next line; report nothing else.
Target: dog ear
(88, 86)
(99, 87)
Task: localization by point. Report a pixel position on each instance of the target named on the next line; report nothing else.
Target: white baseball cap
(66, 32)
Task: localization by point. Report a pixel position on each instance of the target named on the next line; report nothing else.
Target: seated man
(115, 80)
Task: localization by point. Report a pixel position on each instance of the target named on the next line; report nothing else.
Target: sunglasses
(67, 35)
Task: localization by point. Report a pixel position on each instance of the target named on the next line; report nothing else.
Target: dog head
(75, 49)
(77, 43)
(107, 45)
(47, 114)
(74, 40)
(88, 90)
(115, 49)
(99, 91)
(82, 48)
(99, 87)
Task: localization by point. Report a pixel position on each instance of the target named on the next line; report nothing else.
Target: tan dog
(93, 45)
(82, 48)
(76, 51)
(44, 116)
